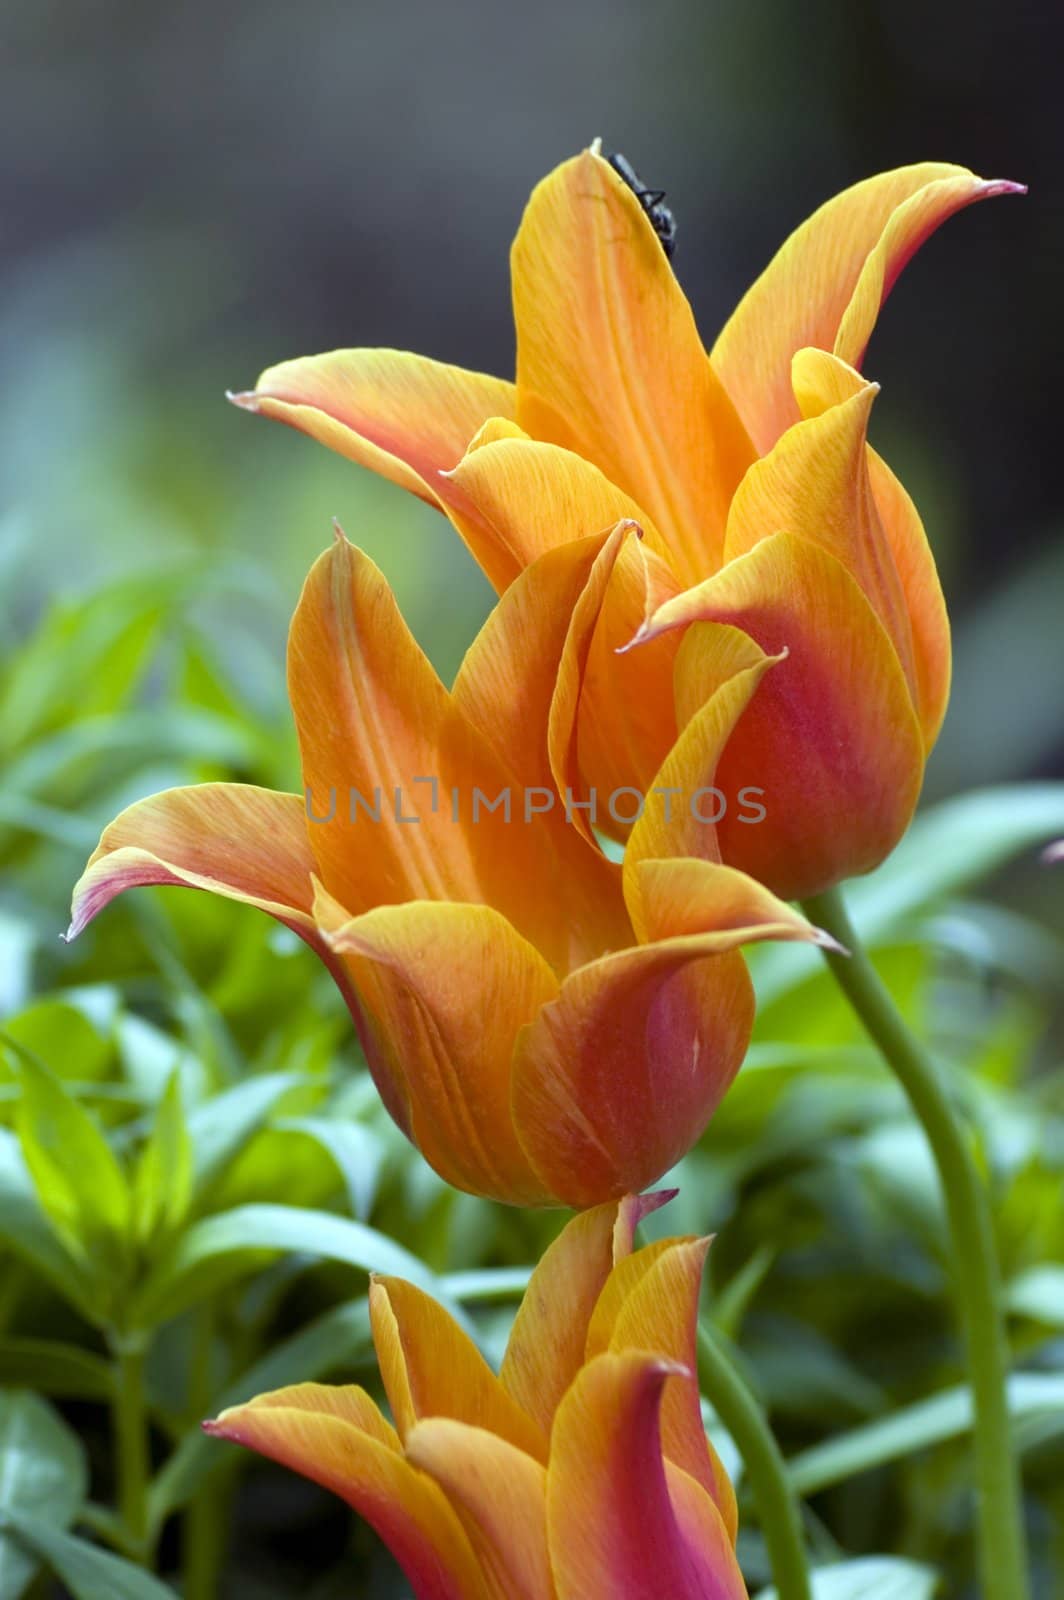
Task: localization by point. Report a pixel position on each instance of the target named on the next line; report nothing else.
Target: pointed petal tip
(1052, 853)
(993, 186)
(244, 399)
(826, 941)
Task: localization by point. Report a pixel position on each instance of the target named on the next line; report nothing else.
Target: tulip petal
(445, 989)
(547, 1341)
(337, 1438)
(827, 283)
(500, 1496)
(651, 1303)
(815, 482)
(615, 1079)
(233, 839)
(830, 741)
(705, 1531)
(375, 723)
(610, 364)
(406, 417)
(611, 1524)
(431, 1369)
(687, 896)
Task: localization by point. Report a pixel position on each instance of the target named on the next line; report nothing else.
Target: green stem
(777, 1505)
(1002, 1548)
(206, 1519)
(131, 1442)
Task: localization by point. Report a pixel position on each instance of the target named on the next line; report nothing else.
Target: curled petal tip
(1053, 853)
(826, 941)
(1004, 186)
(246, 399)
(641, 633)
(339, 536)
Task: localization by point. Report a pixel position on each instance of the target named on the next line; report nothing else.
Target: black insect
(652, 200)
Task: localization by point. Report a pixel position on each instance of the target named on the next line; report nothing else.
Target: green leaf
(89, 1573)
(1038, 1293)
(79, 1182)
(162, 1183)
(221, 1127)
(53, 1368)
(1036, 1406)
(355, 1151)
(26, 1229)
(42, 1469)
(228, 1239)
(871, 1578)
(60, 1035)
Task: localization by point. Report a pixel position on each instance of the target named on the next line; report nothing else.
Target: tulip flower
(581, 1472)
(763, 507)
(545, 1026)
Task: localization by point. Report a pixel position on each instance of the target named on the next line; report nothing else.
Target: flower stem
(777, 1506)
(1000, 1531)
(131, 1443)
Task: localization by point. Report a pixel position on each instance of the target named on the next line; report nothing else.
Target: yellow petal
(687, 896)
(610, 364)
(337, 1438)
(431, 1369)
(615, 1080)
(830, 741)
(611, 1522)
(232, 839)
(401, 783)
(401, 415)
(500, 1495)
(547, 1341)
(827, 283)
(445, 990)
(815, 482)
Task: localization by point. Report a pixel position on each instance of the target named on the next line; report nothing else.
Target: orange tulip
(581, 1472)
(762, 505)
(545, 1027)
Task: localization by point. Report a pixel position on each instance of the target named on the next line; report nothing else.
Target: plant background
(189, 193)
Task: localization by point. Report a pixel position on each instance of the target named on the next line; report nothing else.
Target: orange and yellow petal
(610, 364)
(611, 1522)
(500, 1495)
(830, 741)
(431, 1369)
(445, 990)
(337, 1438)
(616, 1078)
(404, 416)
(547, 1342)
(232, 839)
(826, 284)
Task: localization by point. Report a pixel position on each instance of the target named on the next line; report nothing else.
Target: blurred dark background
(188, 193)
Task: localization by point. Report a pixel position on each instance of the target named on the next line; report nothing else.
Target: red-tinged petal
(547, 1341)
(686, 896)
(431, 1369)
(500, 1495)
(685, 797)
(610, 364)
(659, 1311)
(445, 990)
(229, 838)
(706, 1532)
(338, 1439)
(611, 1524)
(815, 482)
(830, 742)
(538, 496)
(615, 1080)
(402, 415)
(827, 283)
(375, 722)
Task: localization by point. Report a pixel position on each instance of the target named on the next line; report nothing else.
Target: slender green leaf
(26, 1229)
(221, 1127)
(1038, 1293)
(1034, 1399)
(89, 1573)
(356, 1153)
(42, 1469)
(78, 1179)
(56, 1369)
(228, 1239)
(162, 1183)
